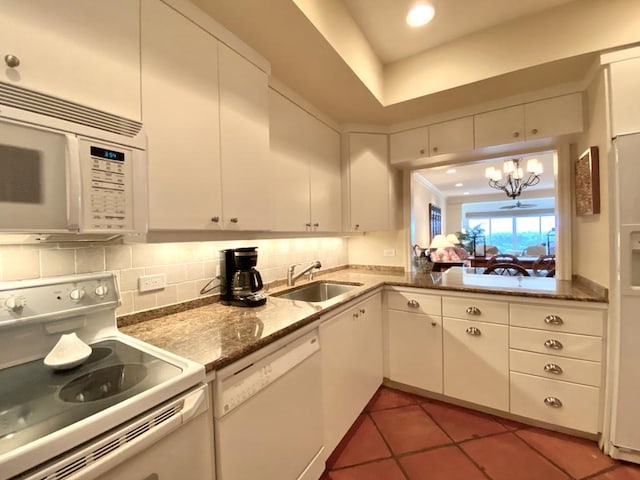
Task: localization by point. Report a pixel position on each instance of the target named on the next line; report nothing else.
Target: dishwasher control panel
(237, 388)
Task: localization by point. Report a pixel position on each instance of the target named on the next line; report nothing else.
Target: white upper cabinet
(86, 52)
(409, 145)
(244, 143)
(371, 184)
(542, 119)
(180, 114)
(499, 127)
(451, 137)
(553, 116)
(625, 97)
(306, 165)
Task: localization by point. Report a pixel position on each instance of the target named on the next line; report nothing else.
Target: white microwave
(66, 168)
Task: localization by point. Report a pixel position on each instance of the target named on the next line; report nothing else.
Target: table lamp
(439, 243)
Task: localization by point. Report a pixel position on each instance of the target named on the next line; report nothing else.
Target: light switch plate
(389, 252)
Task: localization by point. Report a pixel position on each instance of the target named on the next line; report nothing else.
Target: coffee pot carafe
(240, 282)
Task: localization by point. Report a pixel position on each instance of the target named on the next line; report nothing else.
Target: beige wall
(591, 233)
(369, 248)
(188, 266)
(421, 197)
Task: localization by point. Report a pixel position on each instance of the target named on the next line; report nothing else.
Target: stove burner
(103, 383)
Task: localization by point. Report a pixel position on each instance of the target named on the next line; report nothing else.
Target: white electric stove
(126, 400)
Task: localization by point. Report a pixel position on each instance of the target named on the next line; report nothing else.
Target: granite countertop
(216, 335)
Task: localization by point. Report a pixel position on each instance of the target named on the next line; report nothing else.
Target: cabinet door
(244, 143)
(290, 165)
(625, 97)
(351, 348)
(180, 114)
(476, 362)
(553, 116)
(324, 177)
(415, 349)
(451, 137)
(409, 145)
(369, 182)
(86, 52)
(499, 127)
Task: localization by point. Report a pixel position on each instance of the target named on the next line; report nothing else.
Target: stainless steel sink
(317, 292)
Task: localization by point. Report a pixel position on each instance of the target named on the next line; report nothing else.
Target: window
(513, 234)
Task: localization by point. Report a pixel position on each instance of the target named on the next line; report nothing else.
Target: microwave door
(36, 180)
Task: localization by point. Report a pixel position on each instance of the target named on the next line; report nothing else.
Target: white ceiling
(471, 176)
(383, 22)
(303, 59)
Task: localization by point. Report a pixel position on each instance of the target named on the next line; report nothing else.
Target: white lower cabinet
(414, 351)
(476, 362)
(351, 348)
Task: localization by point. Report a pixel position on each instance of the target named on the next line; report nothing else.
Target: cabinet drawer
(414, 302)
(566, 344)
(476, 362)
(558, 319)
(576, 406)
(475, 309)
(556, 368)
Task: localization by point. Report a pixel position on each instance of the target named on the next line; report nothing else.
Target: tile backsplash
(187, 266)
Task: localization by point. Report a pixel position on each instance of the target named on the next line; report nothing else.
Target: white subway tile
(174, 273)
(129, 278)
(54, 262)
(144, 301)
(142, 255)
(127, 303)
(90, 260)
(118, 257)
(20, 263)
(186, 291)
(195, 271)
(167, 296)
(210, 269)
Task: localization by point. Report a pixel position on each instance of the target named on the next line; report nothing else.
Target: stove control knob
(101, 290)
(15, 304)
(76, 294)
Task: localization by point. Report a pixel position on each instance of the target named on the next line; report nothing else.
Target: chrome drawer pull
(553, 368)
(553, 320)
(474, 331)
(413, 304)
(362, 311)
(473, 311)
(553, 402)
(355, 315)
(553, 345)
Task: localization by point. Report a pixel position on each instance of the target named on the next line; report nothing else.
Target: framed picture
(587, 180)
(435, 221)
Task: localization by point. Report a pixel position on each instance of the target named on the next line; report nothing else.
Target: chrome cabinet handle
(434, 324)
(553, 368)
(355, 315)
(534, 130)
(362, 311)
(308, 225)
(474, 331)
(357, 226)
(234, 220)
(422, 151)
(316, 225)
(215, 219)
(413, 304)
(553, 320)
(553, 344)
(516, 134)
(435, 149)
(11, 60)
(553, 402)
(473, 311)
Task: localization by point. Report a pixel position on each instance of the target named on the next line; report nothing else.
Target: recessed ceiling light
(466, 193)
(451, 170)
(420, 14)
(458, 184)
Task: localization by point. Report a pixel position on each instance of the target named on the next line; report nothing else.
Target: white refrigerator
(624, 315)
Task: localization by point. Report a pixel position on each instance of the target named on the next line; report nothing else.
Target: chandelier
(514, 183)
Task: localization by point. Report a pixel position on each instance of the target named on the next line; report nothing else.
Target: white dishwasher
(268, 414)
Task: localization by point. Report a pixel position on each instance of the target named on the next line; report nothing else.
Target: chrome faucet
(291, 278)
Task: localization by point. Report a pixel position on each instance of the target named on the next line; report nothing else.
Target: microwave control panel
(109, 193)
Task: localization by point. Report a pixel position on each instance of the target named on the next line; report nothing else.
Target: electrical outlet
(389, 252)
(152, 282)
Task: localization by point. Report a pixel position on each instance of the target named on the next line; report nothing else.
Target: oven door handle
(194, 404)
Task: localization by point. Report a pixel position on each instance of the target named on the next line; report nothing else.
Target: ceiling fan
(518, 204)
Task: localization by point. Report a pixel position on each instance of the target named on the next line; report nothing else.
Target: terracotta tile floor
(405, 437)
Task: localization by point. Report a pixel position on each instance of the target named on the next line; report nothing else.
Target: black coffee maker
(240, 282)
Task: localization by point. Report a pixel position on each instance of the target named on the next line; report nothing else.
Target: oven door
(39, 188)
(172, 441)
